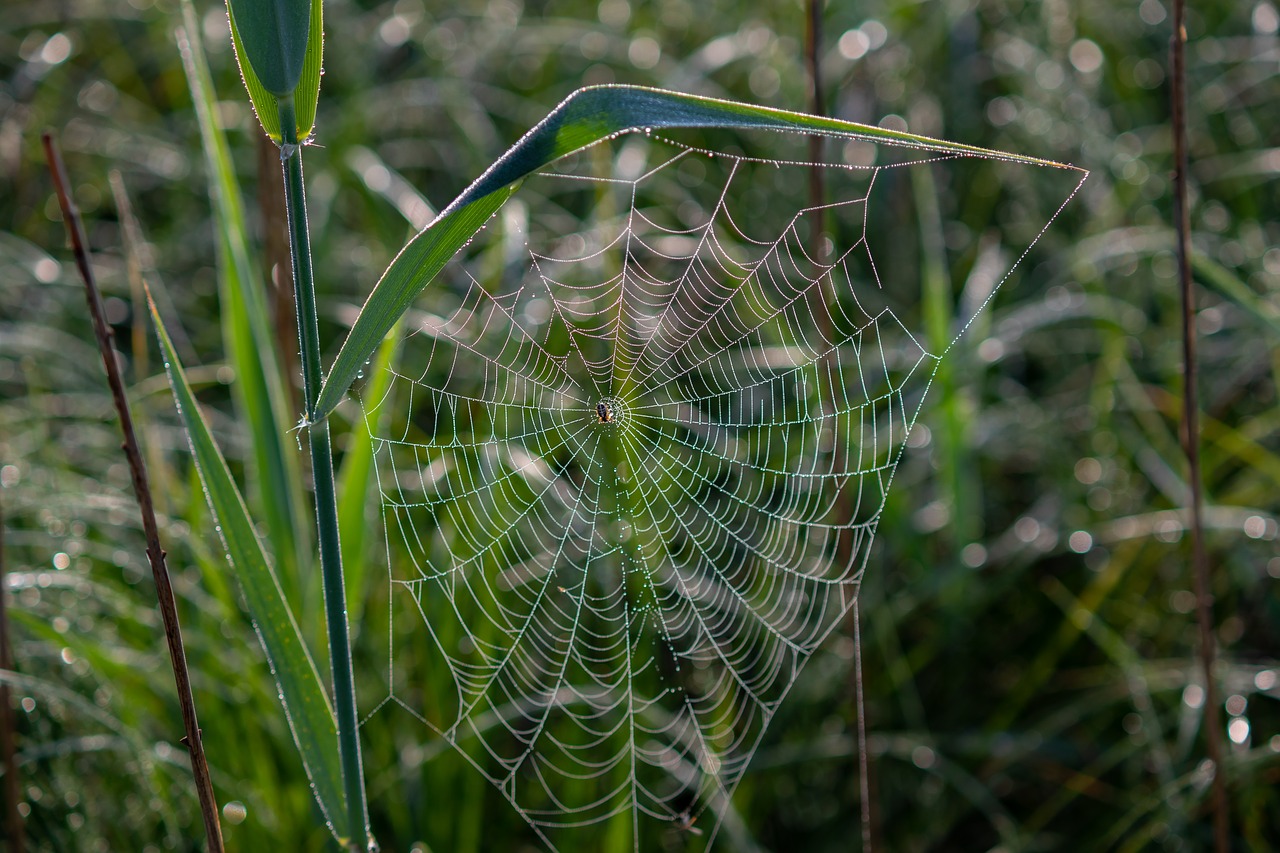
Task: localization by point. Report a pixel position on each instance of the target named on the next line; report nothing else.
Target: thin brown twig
(15, 830)
(864, 758)
(817, 212)
(142, 491)
(1191, 429)
(817, 106)
(822, 315)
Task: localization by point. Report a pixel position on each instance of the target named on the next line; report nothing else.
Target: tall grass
(1025, 683)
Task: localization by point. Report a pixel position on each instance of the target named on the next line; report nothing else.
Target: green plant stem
(344, 694)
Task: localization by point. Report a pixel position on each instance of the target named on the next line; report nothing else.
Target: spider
(604, 412)
(685, 823)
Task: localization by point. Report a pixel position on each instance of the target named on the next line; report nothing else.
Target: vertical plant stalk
(813, 58)
(15, 829)
(335, 604)
(818, 251)
(864, 760)
(142, 491)
(1191, 427)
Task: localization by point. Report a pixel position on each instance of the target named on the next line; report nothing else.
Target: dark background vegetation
(1028, 635)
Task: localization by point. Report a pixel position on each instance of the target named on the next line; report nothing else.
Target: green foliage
(301, 691)
(279, 46)
(585, 117)
(355, 486)
(260, 389)
(1029, 673)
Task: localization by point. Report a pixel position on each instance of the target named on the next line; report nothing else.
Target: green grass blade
(584, 118)
(272, 38)
(957, 485)
(356, 479)
(264, 103)
(259, 390)
(411, 271)
(302, 694)
(1217, 277)
(307, 95)
(278, 46)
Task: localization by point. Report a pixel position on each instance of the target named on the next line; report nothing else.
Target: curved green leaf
(306, 95)
(250, 342)
(279, 46)
(306, 704)
(584, 118)
(273, 40)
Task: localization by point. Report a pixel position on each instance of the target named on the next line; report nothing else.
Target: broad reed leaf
(585, 117)
(279, 46)
(272, 40)
(306, 95)
(302, 694)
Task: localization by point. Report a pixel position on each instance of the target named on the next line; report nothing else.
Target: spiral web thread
(631, 467)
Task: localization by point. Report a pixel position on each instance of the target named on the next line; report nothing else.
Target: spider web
(633, 458)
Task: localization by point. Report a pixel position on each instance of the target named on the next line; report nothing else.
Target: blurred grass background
(1028, 635)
